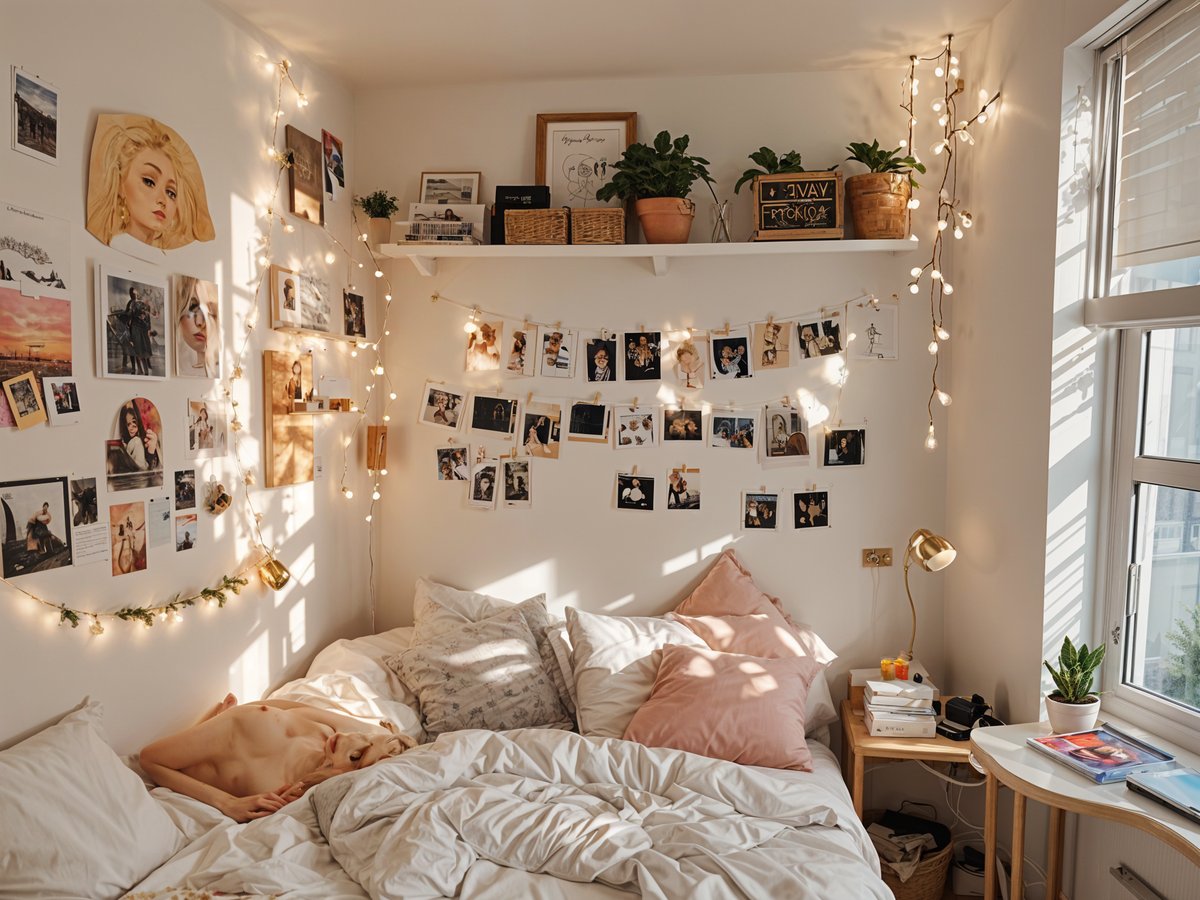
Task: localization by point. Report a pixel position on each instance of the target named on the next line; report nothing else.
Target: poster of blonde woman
(145, 188)
(197, 328)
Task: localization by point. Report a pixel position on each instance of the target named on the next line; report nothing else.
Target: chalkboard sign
(797, 206)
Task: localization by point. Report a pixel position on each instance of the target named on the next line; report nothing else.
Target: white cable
(944, 777)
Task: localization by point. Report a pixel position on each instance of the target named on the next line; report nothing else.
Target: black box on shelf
(526, 196)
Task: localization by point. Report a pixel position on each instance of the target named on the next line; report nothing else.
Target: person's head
(133, 422)
(844, 443)
(686, 353)
(45, 507)
(289, 290)
(202, 415)
(439, 400)
(487, 334)
(297, 368)
(554, 341)
(346, 751)
(133, 294)
(752, 506)
(726, 353)
(197, 314)
(807, 334)
(485, 482)
(600, 358)
(637, 483)
(643, 341)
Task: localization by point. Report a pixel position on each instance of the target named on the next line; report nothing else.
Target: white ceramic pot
(1066, 718)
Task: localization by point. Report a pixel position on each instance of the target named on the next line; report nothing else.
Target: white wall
(194, 68)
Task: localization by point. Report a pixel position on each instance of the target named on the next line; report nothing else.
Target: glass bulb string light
(951, 216)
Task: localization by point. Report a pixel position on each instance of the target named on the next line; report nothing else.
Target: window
(1148, 249)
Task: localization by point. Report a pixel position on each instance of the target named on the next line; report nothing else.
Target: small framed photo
(642, 353)
(787, 434)
(846, 447)
(35, 116)
(542, 430)
(40, 509)
(483, 484)
(683, 488)
(687, 361)
(731, 355)
(760, 511)
(600, 355)
(811, 509)
(450, 187)
(483, 346)
(131, 325)
(521, 360)
(62, 400)
(285, 293)
(300, 302)
(495, 415)
(306, 175)
(25, 400)
(556, 352)
(731, 428)
(875, 327)
(575, 152)
(185, 489)
(635, 492)
(454, 463)
(186, 532)
(588, 422)
(822, 337)
(683, 425)
(772, 343)
(442, 406)
(636, 426)
(518, 483)
(354, 315)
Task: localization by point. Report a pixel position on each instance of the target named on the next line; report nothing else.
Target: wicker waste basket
(535, 226)
(928, 880)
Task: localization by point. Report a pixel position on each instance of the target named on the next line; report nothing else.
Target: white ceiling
(376, 43)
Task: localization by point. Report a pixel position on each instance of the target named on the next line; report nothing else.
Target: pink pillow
(756, 635)
(728, 591)
(728, 706)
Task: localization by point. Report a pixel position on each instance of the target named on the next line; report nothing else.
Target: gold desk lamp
(932, 553)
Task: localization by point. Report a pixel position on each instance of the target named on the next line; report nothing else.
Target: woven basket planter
(598, 226)
(879, 204)
(535, 226)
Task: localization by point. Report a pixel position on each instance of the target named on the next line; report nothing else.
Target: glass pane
(1171, 404)
(1154, 276)
(1164, 647)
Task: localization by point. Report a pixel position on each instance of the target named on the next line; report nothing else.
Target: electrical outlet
(874, 557)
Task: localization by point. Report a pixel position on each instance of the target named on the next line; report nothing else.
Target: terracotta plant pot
(1066, 718)
(379, 231)
(665, 220)
(879, 204)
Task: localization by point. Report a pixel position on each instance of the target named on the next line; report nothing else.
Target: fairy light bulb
(954, 71)
(943, 225)
(387, 297)
(379, 370)
(469, 326)
(379, 273)
(914, 238)
(947, 287)
(938, 148)
(270, 65)
(375, 495)
(330, 258)
(966, 219)
(935, 275)
(915, 271)
(943, 334)
(903, 143)
(939, 71)
(96, 628)
(958, 233)
(931, 439)
(954, 60)
(347, 493)
(392, 395)
(289, 228)
(943, 119)
(982, 117)
(933, 348)
(914, 288)
(262, 260)
(176, 617)
(368, 518)
(936, 106)
(914, 203)
(912, 120)
(383, 471)
(944, 398)
(353, 353)
(387, 418)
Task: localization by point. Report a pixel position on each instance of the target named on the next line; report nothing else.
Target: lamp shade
(931, 552)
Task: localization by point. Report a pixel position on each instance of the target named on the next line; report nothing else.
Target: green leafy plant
(378, 205)
(664, 169)
(877, 159)
(1073, 677)
(770, 164)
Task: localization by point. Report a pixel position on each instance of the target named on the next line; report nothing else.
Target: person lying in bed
(251, 760)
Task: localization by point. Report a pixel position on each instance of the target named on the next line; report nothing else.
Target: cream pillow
(615, 660)
(74, 820)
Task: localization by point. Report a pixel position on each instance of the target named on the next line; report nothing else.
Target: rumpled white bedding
(653, 821)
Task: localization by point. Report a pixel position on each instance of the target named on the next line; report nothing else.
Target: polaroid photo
(683, 488)
(643, 361)
(542, 429)
(845, 447)
(760, 512)
(599, 355)
(588, 422)
(518, 483)
(688, 360)
(446, 188)
(482, 494)
(334, 155)
(35, 116)
(285, 292)
(38, 531)
(454, 463)
(733, 428)
(822, 337)
(127, 534)
(556, 352)
(354, 315)
(35, 255)
(875, 327)
(772, 343)
(131, 325)
(786, 435)
(522, 343)
(494, 415)
(185, 489)
(635, 426)
(683, 425)
(208, 434)
(811, 509)
(25, 400)
(483, 346)
(62, 400)
(731, 354)
(635, 492)
(186, 532)
(442, 406)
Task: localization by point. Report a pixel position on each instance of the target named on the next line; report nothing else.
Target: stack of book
(899, 708)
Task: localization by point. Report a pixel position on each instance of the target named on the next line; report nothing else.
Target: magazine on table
(1176, 788)
(1103, 754)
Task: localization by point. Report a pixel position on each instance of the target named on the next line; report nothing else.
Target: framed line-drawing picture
(575, 153)
(306, 176)
(458, 188)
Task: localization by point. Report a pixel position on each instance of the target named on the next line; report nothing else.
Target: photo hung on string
(846, 447)
(483, 346)
(522, 358)
(495, 415)
(635, 492)
(731, 428)
(683, 489)
(334, 156)
(541, 430)
(786, 433)
(683, 425)
(518, 483)
(483, 489)
(589, 422)
(37, 536)
(760, 511)
(820, 338)
(600, 355)
(442, 406)
(876, 330)
(453, 463)
(731, 354)
(354, 315)
(772, 345)
(688, 359)
(811, 509)
(127, 531)
(642, 355)
(636, 426)
(556, 351)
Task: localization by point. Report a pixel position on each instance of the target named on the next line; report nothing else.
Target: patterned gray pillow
(485, 674)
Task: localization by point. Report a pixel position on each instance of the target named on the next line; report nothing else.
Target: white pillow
(76, 822)
(819, 711)
(615, 662)
(560, 643)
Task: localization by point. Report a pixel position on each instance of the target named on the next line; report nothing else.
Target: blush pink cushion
(728, 706)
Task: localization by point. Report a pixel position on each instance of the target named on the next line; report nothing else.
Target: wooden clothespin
(635, 404)
(512, 454)
(762, 488)
(724, 332)
(604, 334)
(528, 399)
(596, 399)
(770, 320)
(633, 471)
(558, 326)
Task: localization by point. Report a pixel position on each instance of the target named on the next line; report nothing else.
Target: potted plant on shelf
(770, 163)
(1072, 706)
(658, 178)
(379, 206)
(879, 197)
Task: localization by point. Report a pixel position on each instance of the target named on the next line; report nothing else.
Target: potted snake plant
(879, 197)
(1072, 706)
(379, 206)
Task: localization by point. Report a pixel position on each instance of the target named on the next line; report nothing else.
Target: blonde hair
(112, 153)
(208, 302)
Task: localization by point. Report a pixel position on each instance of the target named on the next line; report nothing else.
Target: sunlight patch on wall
(250, 674)
(680, 562)
(712, 548)
(302, 566)
(297, 633)
(619, 603)
(525, 583)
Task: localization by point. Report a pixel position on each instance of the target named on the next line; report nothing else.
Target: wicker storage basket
(928, 881)
(879, 204)
(535, 226)
(598, 226)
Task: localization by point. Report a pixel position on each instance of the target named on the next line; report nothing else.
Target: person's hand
(151, 441)
(244, 809)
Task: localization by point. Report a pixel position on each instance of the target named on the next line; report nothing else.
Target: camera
(961, 714)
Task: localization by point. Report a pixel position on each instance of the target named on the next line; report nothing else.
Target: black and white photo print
(760, 511)
(635, 492)
(683, 425)
(811, 509)
(846, 447)
(643, 360)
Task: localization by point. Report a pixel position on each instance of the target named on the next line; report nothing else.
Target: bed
(541, 812)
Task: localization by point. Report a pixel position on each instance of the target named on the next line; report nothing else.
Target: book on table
(1103, 754)
(1177, 788)
(900, 693)
(893, 722)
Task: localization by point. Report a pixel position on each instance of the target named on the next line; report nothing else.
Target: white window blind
(1157, 209)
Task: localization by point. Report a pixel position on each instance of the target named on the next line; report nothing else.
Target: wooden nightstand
(858, 747)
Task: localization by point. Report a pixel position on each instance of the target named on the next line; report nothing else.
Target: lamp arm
(913, 640)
